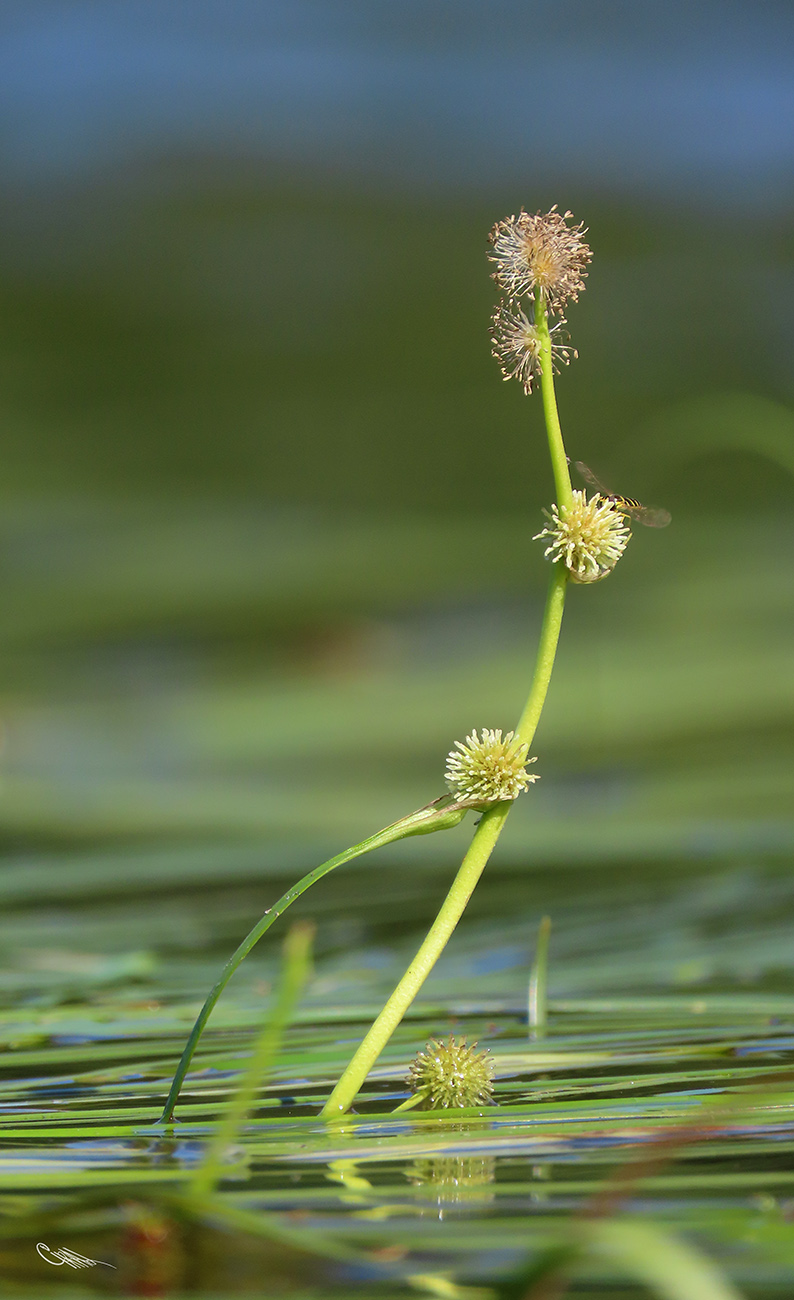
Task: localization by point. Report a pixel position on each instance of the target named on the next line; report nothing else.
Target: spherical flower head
(589, 536)
(488, 769)
(515, 343)
(452, 1075)
(540, 251)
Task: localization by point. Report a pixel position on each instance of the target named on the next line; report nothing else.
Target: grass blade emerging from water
(538, 982)
(296, 971)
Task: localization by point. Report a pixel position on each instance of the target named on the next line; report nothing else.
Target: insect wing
(650, 517)
(646, 515)
(587, 474)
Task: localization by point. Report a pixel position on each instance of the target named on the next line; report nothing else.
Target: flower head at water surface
(516, 344)
(589, 536)
(488, 769)
(540, 252)
(452, 1075)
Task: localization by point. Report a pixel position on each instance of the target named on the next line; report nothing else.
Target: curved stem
(439, 815)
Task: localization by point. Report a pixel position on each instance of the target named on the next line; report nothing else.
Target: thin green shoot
(537, 1010)
(295, 973)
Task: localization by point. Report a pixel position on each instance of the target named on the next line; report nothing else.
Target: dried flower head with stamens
(515, 343)
(489, 769)
(452, 1075)
(589, 536)
(540, 251)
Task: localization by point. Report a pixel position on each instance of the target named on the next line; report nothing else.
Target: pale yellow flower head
(488, 769)
(589, 536)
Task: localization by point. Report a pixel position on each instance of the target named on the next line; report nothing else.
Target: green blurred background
(267, 508)
(266, 520)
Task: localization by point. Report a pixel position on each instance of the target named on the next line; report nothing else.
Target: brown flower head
(540, 251)
(515, 343)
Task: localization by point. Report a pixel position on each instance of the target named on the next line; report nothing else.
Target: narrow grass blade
(672, 1269)
(538, 982)
(296, 970)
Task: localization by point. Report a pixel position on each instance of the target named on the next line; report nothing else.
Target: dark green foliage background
(225, 330)
(268, 508)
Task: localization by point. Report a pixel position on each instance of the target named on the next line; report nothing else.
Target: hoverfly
(625, 505)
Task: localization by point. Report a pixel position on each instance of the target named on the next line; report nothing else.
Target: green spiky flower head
(452, 1075)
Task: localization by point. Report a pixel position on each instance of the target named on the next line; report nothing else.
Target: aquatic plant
(540, 264)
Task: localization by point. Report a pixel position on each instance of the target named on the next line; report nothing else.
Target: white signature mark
(64, 1256)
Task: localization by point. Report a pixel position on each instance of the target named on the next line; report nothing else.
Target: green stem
(439, 815)
(492, 821)
(559, 460)
(472, 867)
(547, 650)
(410, 1103)
(295, 973)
